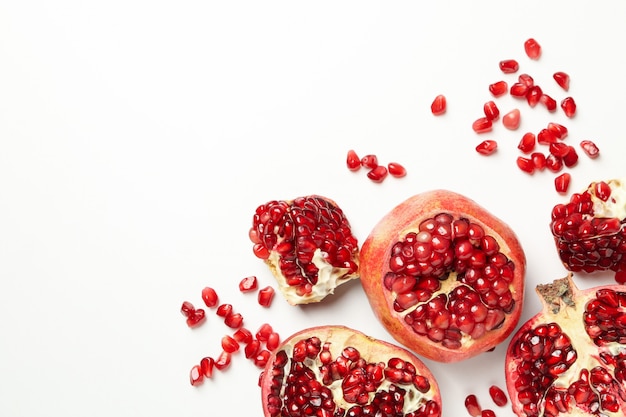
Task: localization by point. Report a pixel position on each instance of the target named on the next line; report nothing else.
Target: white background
(137, 138)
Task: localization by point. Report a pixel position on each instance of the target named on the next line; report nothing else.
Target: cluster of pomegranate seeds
(474, 408)
(195, 316)
(376, 172)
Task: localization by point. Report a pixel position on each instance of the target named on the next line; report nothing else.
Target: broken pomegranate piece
(589, 230)
(308, 245)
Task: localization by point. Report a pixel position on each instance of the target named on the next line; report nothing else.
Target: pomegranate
(308, 245)
(444, 276)
(589, 230)
(337, 371)
(570, 358)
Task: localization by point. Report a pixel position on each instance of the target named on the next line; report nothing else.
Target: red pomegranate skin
(405, 218)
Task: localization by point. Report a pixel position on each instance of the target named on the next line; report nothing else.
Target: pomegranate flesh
(589, 230)
(444, 276)
(308, 245)
(336, 371)
(570, 358)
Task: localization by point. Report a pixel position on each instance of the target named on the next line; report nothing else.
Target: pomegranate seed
(602, 190)
(261, 358)
(539, 160)
(196, 318)
(498, 396)
(206, 366)
(396, 169)
(438, 106)
(533, 95)
(562, 79)
(243, 335)
(525, 164)
(187, 309)
(546, 137)
(234, 320)
(511, 120)
(223, 360)
(369, 161)
(549, 102)
(488, 413)
(553, 163)
(526, 79)
(353, 161)
(571, 158)
(590, 148)
(248, 284)
(224, 310)
(265, 297)
(559, 131)
(472, 406)
(252, 349)
(527, 143)
(519, 90)
(195, 375)
(559, 149)
(487, 147)
(569, 106)
(209, 296)
(491, 110)
(378, 174)
(498, 88)
(229, 344)
(509, 66)
(273, 340)
(532, 48)
(482, 125)
(264, 332)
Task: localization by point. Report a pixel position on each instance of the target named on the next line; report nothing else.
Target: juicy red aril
(261, 358)
(196, 318)
(518, 90)
(590, 148)
(558, 130)
(265, 296)
(559, 149)
(396, 169)
(233, 320)
(482, 125)
(472, 406)
(369, 161)
(532, 48)
(498, 88)
(571, 158)
(533, 95)
(252, 348)
(511, 120)
(525, 164)
(248, 284)
(491, 110)
(498, 396)
(438, 105)
(243, 335)
(229, 344)
(554, 163)
(539, 160)
(527, 143)
(223, 360)
(562, 79)
(487, 147)
(509, 66)
(569, 106)
(378, 174)
(263, 333)
(561, 182)
(548, 102)
(195, 375)
(187, 308)
(273, 340)
(209, 296)
(602, 190)
(224, 310)
(487, 413)
(546, 137)
(206, 366)
(353, 162)
(526, 79)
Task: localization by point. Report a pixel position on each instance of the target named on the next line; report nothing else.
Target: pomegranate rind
(406, 217)
(564, 304)
(371, 349)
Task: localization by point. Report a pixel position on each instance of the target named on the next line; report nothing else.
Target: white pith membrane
(615, 206)
(369, 350)
(569, 317)
(329, 277)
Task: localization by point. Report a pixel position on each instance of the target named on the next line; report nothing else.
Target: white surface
(137, 138)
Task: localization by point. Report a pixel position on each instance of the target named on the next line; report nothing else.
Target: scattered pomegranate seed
(248, 284)
(553, 163)
(539, 160)
(353, 161)
(546, 137)
(487, 147)
(518, 90)
(234, 320)
(571, 158)
(488, 413)
(369, 161)
(206, 366)
(482, 125)
(196, 318)
(559, 149)
(491, 110)
(590, 148)
(261, 358)
(187, 309)
(526, 79)
(195, 375)
(527, 143)
(224, 310)
(533, 95)
(265, 297)
(511, 120)
(209, 296)
(438, 105)
(509, 66)
(498, 88)
(378, 174)
(569, 106)
(558, 130)
(223, 360)
(525, 164)
(273, 340)
(498, 396)
(472, 406)
(229, 344)
(603, 190)
(549, 102)
(396, 169)
(252, 349)
(243, 335)
(264, 332)
(532, 48)
(562, 79)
